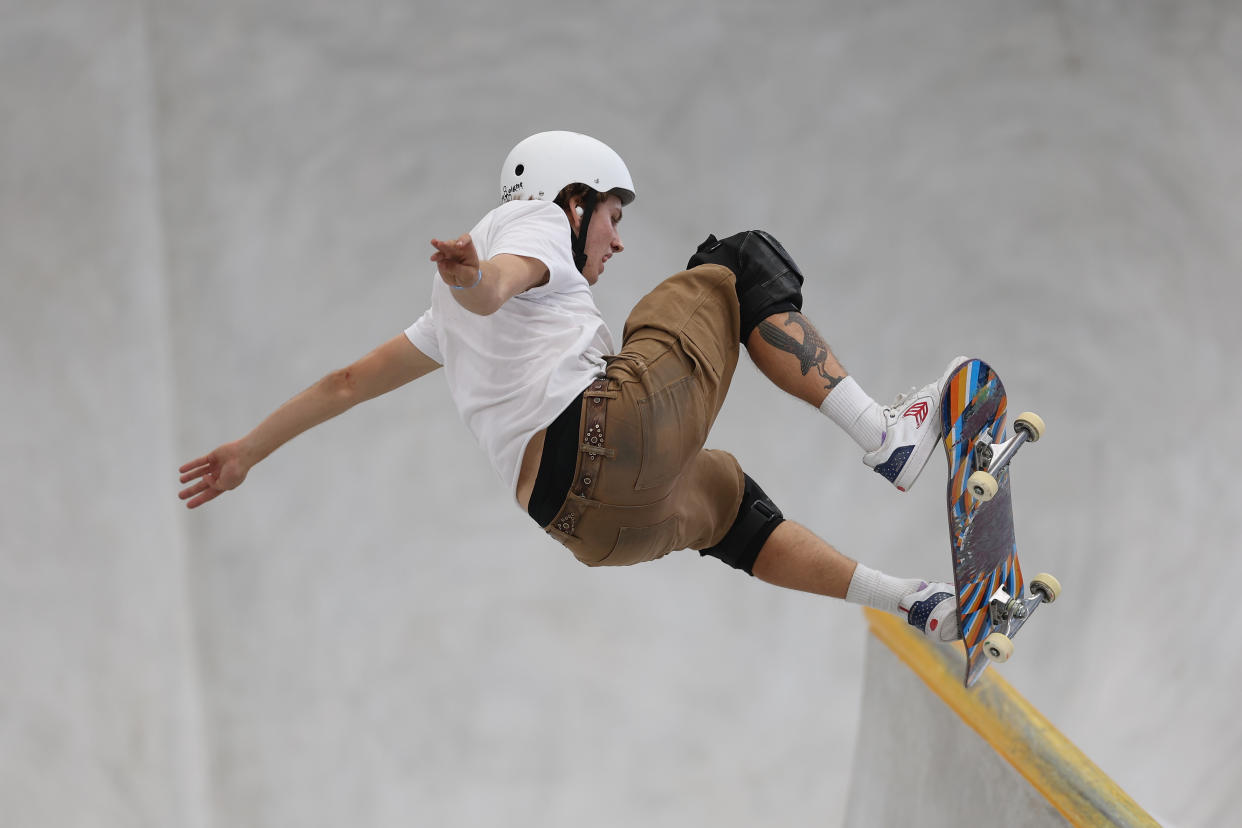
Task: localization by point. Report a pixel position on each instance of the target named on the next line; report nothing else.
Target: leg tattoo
(811, 351)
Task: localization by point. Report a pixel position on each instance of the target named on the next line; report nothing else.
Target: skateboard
(993, 600)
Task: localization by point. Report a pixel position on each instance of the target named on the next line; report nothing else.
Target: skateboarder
(604, 446)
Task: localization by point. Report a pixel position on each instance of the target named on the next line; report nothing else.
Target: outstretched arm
(389, 366)
(482, 287)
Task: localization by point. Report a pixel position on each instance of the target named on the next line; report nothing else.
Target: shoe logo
(919, 412)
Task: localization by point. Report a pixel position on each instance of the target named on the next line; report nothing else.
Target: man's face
(602, 239)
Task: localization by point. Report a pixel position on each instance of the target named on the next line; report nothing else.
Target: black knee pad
(756, 519)
(768, 281)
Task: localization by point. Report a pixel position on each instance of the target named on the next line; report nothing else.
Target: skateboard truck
(1009, 612)
(990, 458)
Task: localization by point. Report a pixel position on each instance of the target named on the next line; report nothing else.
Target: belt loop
(637, 366)
(594, 445)
(592, 449)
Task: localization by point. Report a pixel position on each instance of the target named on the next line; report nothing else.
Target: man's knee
(757, 518)
(768, 280)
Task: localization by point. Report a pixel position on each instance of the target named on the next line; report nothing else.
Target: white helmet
(540, 166)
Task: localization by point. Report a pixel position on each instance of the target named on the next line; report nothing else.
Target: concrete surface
(932, 748)
(918, 756)
(205, 207)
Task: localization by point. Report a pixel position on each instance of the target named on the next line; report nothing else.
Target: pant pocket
(674, 428)
(636, 544)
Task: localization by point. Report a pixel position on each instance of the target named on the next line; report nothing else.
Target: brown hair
(575, 191)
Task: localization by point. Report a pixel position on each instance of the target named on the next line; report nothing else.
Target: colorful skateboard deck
(988, 576)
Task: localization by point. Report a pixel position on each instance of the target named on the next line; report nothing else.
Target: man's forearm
(485, 296)
(332, 395)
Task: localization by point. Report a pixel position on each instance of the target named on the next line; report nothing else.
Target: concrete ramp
(981, 756)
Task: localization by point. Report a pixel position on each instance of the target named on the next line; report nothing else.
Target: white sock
(879, 591)
(859, 416)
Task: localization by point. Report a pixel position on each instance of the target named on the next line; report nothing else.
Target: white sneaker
(932, 610)
(911, 431)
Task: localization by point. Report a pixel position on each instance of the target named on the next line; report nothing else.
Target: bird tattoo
(811, 351)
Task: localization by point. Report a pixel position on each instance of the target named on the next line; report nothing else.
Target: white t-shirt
(511, 373)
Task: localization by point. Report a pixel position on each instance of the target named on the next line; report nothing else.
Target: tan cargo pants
(643, 484)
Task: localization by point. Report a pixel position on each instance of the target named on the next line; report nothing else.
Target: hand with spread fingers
(213, 474)
(457, 260)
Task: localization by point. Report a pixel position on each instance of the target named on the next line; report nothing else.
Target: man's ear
(574, 213)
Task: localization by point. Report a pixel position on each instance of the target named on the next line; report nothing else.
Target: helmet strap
(579, 241)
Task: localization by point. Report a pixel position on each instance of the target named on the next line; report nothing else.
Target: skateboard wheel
(998, 647)
(982, 485)
(1031, 423)
(1046, 587)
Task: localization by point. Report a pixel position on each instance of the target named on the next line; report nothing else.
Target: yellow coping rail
(1071, 782)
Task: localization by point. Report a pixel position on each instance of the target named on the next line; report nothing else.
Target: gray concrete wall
(916, 755)
(206, 207)
(100, 710)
